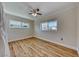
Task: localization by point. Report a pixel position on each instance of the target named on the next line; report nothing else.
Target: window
(18, 24)
(50, 25)
(44, 26)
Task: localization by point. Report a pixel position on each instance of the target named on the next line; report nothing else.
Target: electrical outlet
(61, 39)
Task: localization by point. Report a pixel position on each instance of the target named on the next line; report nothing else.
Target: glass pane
(44, 26)
(14, 24)
(54, 28)
(18, 24)
(25, 25)
(52, 25)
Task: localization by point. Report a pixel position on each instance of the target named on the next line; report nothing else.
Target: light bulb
(34, 14)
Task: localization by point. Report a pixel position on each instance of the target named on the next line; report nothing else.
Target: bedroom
(40, 29)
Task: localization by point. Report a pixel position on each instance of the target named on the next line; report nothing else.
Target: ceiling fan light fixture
(34, 14)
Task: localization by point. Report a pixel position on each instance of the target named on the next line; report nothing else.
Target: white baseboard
(20, 38)
(57, 43)
(78, 51)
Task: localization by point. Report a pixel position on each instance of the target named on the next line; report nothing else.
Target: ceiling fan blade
(39, 13)
(30, 13)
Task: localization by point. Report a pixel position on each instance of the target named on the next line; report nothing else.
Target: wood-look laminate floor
(34, 47)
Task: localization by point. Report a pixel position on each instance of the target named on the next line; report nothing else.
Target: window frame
(18, 26)
(55, 28)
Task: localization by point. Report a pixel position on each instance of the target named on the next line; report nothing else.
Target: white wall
(77, 28)
(17, 34)
(66, 28)
(1, 40)
(4, 50)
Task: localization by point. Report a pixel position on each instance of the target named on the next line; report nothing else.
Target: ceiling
(22, 9)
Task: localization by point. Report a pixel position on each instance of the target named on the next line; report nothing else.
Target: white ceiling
(22, 9)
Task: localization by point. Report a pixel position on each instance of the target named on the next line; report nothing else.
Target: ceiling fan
(35, 12)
